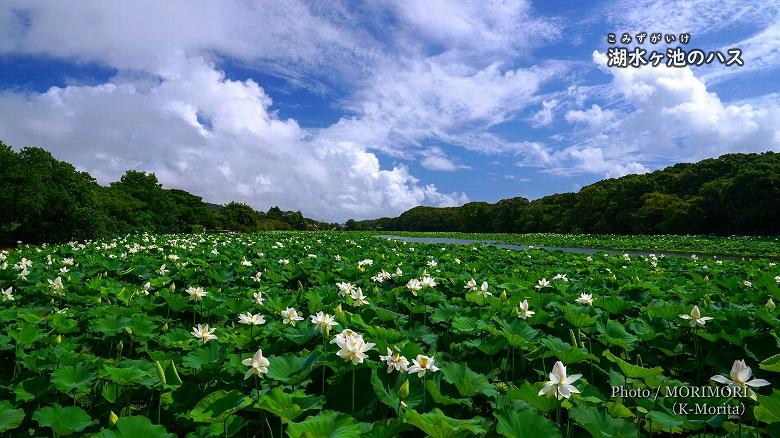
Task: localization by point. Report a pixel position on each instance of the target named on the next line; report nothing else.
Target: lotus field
(350, 335)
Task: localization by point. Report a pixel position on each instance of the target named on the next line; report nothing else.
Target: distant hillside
(47, 200)
(732, 194)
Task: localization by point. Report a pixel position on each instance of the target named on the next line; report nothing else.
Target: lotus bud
(52, 301)
(173, 287)
(770, 304)
(339, 311)
(112, 418)
(503, 296)
(403, 392)
(99, 300)
(165, 327)
(706, 278)
(58, 339)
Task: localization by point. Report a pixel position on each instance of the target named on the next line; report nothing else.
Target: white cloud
(760, 52)
(544, 116)
(697, 17)
(435, 159)
(448, 102)
(594, 116)
(670, 116)
(246, 153)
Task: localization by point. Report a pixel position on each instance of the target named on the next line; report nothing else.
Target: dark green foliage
(46, 200)
(733, 194)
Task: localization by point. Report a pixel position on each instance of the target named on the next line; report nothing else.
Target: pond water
(447, 240)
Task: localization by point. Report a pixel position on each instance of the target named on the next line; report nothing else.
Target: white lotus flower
(353, 348)
(258, 298)
(471, 285)
(523, 311)
(323, 321)
(561, 277)
(341, 337)
(145, 288)
(364, 262)
(542, 283)
(257, 276)
(56, 285)
(358, 297)
(777, 279)
(67, 261)
(246, 262)
(422, 364)
(162, 270)
(695, 317)
(196, 293)
(560, 386)
(428, 281)
(291, 316)
(204, 333)
(398, 272)
(585, 299)
(457, 261)
(381, 276)
(395, 361)
(345, 288)
(483, 290)
(432, 263)
(258, 365)
(740, 378)
(337, 257)
(8, 294)
(248, 318)
(414, 285)
(284, 262)
(747, 283)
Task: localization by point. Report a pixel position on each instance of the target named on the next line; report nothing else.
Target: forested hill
(43, 199)
(732, 194)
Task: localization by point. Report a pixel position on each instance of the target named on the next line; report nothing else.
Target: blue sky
(365, 109)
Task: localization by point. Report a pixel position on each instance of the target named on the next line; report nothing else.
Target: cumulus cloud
(669, 116)
(243, 152)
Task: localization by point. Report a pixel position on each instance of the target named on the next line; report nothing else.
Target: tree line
(43, 199)
(732, 194)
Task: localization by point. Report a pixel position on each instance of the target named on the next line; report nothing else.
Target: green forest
(47, 200)
(733, 194)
